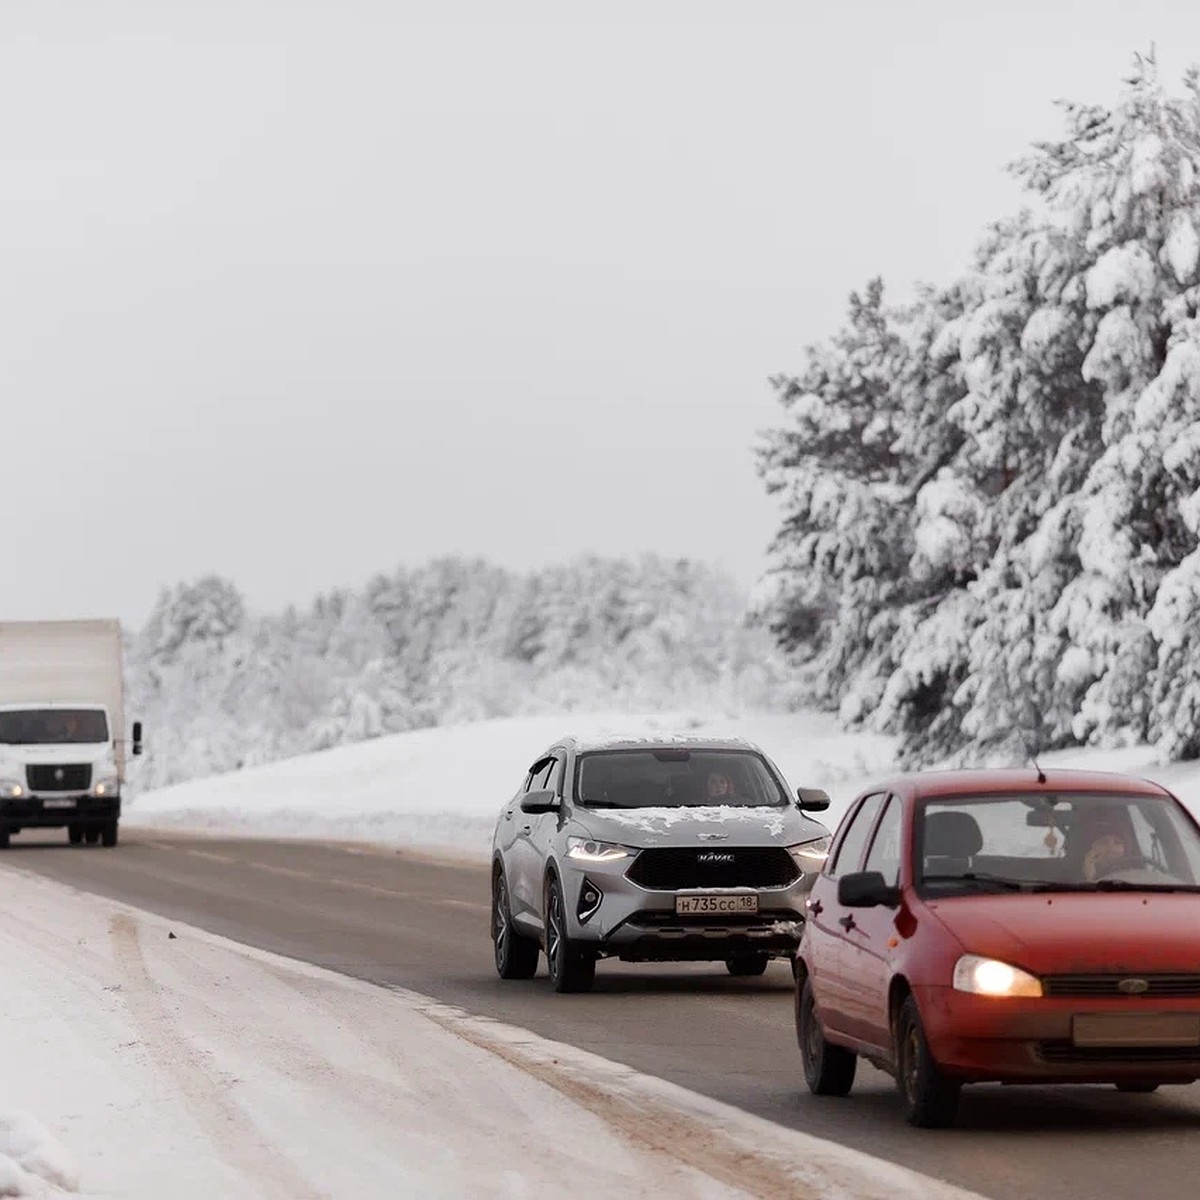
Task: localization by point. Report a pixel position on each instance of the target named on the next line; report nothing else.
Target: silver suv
(649, 850)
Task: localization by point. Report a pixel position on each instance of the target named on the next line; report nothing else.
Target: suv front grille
(1160, 986)
(59, 777)
(704, 867)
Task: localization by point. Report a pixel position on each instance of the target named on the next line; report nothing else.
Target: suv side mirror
(137, 738)
(867, 889)
(812, 799)
(539, 802)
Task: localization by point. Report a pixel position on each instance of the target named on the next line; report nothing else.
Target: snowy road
(398, 920)
(146, 1058)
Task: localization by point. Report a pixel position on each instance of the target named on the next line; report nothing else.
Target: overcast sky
(296, 292)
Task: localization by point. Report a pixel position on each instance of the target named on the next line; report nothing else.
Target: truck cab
(58, 766)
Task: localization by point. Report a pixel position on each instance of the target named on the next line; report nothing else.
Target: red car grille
(1065, 1052)
(1158, 986)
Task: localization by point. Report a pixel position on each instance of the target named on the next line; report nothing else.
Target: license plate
(719, 903)
(69, 803)
(1136, 1029)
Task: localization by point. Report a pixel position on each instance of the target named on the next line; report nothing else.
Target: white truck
(62, 728)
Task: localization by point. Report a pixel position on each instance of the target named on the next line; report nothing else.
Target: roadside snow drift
(445, 786)
(190, 1067)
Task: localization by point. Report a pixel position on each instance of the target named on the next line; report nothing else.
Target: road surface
(400, 918)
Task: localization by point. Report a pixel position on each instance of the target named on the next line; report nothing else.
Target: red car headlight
(988, 977)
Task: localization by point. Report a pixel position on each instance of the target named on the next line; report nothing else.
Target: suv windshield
(53, 726)
(1066, 841)
(673, 777)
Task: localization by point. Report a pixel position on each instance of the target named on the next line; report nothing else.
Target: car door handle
(508, 814)
(526, 828)
(846, 923)
(816, 907)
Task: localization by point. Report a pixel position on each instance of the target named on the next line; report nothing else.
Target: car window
(884, 854)
(554, 778)
(848, 853)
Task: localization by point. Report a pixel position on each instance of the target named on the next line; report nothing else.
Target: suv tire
(516, 955)
(572, 967)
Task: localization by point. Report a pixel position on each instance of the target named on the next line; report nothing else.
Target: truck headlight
(107, 786)
(10, 789)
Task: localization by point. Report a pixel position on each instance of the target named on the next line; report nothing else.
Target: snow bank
(32, 1157)
(445, 786)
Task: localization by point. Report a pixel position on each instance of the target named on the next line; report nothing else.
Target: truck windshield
(52, 726)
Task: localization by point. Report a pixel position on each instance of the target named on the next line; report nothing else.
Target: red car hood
(1091, 932)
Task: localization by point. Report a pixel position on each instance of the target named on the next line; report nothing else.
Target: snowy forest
(989, 538)
(990, 494)
(220, 688)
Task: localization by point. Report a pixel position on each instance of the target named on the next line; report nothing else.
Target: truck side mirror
(137, 738)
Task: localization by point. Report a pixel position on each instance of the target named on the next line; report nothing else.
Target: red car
(1017, 926)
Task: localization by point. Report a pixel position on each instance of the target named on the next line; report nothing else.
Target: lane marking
(353, 885)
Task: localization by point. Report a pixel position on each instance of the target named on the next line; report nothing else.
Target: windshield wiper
(1128, 885)
(984, 877)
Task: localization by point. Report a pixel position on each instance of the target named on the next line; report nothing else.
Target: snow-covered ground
(146, 1059)
(445, 786)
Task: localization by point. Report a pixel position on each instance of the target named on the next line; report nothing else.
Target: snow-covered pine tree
(1055, 529)
(838, 563)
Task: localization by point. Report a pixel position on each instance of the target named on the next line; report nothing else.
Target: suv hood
(1064, 933)
(725, 826)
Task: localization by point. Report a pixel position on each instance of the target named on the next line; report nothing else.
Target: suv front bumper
(621, 919)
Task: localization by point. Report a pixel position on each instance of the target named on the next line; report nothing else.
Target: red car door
(872, 938)
(826, 925)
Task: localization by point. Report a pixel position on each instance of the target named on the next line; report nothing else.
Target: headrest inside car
(952, 835)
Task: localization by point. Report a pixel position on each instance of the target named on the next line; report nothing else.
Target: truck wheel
(74, 835)
(108, 834)
(91, 836)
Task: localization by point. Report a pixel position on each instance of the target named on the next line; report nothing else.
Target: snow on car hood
(686, 826)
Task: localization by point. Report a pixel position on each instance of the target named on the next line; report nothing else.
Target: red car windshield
(1054, 842)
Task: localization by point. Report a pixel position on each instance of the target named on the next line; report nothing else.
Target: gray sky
(296, 292)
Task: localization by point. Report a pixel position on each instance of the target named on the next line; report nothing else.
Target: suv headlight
(107, 786)
(589, 850)
(987, 977)
(10, 789)
(811, 856)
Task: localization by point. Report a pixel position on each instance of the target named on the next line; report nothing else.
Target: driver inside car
(1107, 849)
